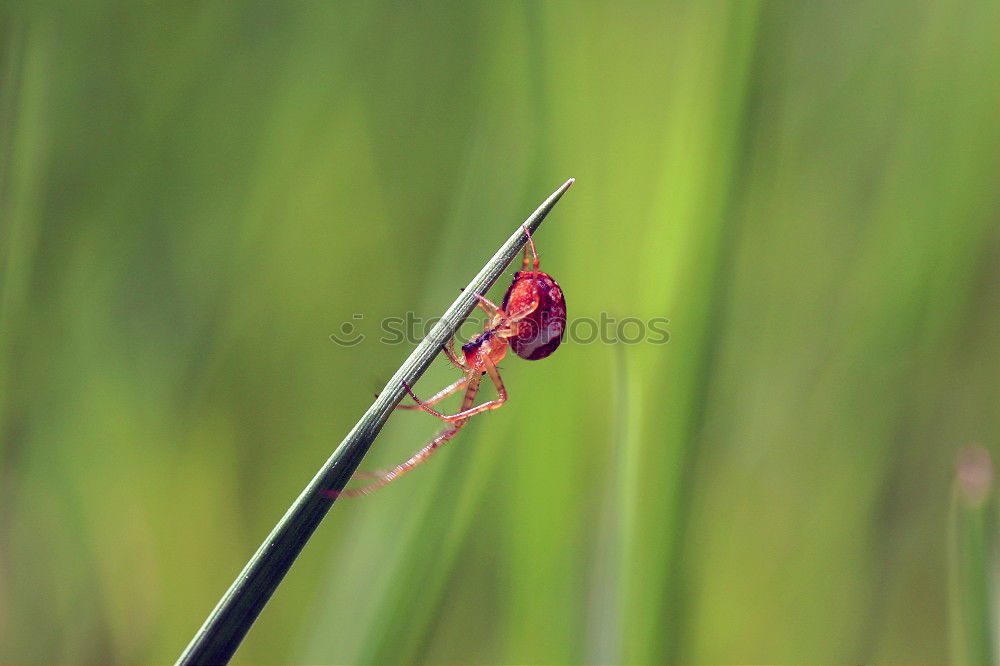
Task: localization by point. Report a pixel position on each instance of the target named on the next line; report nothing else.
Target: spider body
(541, 331)
(487, 345)
(531, 321)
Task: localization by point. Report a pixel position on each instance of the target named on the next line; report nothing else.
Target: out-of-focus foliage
(194, 196)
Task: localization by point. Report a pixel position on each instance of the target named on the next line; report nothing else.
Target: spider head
(486, 345)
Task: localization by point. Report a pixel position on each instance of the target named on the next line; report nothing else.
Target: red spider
(531, 320)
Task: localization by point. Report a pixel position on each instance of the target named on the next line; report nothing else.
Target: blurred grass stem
(228, 623)
(972, 559)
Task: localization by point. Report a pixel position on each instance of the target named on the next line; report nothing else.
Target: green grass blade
(235, 613)
(972, 614)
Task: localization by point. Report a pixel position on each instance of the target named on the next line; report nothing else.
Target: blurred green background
(194, 196)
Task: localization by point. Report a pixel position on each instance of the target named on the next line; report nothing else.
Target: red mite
(531, 321)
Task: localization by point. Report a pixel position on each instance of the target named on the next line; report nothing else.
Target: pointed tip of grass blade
(554, 197)
(562, 188)
(560, 191)
(536, 218)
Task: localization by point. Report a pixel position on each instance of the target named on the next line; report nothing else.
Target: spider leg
(449, 351)
(509, 330)
(525, 311)
(471, 380)
(440, 395)
(369, 475)
(534, 253)
(491, 308)
(467, 409)
(386, 477)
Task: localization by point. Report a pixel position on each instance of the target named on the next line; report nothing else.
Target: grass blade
(972, 560)
(228, 623)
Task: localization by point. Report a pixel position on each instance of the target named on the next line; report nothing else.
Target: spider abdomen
(540, 332)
